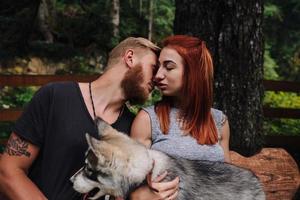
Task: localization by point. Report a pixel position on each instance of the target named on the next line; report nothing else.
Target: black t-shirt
(56, 120)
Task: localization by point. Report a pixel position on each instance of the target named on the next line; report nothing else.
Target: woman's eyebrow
(168, 61)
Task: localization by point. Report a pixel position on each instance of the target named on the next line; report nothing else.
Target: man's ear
(128, 58)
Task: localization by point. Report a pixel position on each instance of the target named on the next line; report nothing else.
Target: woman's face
(169, 77)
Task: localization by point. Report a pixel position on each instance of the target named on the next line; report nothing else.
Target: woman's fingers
(168, 194)
(157, 179)
(160, 177)
(173, 196)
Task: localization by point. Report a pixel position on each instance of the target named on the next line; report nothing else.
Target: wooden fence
(37, 80)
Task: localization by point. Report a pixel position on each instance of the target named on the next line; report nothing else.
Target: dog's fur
(116, 164)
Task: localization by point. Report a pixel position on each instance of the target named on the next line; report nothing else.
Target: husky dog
(117, 164)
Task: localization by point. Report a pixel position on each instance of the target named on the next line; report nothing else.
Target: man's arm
(14, 164)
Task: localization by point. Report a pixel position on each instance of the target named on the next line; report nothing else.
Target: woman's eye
(169, 67)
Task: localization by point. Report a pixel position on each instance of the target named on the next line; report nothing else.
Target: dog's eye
(88, 170)
(92, 158)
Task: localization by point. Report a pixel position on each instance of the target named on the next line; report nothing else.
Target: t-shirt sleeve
(33, 122)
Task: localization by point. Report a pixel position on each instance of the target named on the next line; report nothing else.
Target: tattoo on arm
(17, 147)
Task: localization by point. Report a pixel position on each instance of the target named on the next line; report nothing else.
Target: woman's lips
(161, 86)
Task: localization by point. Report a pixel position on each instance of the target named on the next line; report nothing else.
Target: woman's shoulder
(218, 116)
(216, 112)
(149, 109)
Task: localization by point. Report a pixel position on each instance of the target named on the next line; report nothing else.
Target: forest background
(75, 37)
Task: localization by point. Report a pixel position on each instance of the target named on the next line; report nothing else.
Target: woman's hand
(156, 190)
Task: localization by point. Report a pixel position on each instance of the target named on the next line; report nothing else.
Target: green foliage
(77, 65)
(281, 60)
(282, 126)
(16, 97)
(282, 36)
(12, 98)
(164, 14)
(272, 11)
(289, 127)
(5, 130)
(154, 97)
(133, 21)
(83, 24)
(270, 66)
(282, 99)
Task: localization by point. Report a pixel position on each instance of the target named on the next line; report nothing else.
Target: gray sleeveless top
(175, 143)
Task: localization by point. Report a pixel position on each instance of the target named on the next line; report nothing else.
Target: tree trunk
(115, 17)
(233, 32)
(150, 22)
(141, 7)
(44, 19)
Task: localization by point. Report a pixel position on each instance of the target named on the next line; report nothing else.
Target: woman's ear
(128, 58)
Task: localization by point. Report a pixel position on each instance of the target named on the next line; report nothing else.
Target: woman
(184, 123)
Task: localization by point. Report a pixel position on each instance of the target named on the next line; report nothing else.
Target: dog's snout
(72, 179)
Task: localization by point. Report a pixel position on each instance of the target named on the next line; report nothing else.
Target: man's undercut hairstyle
(131, 43)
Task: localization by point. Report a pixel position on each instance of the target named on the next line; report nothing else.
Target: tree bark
(150, 22)
(232, 30)
(45, 16)
(115, 17)
(141, 7)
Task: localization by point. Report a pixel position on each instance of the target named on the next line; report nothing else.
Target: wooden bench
(276, 169)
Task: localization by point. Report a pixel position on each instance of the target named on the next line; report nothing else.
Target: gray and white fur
(117, 164)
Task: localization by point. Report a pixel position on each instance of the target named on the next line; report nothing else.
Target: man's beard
(132, 86)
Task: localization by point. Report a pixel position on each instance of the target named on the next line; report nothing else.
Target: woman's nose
(159, 75)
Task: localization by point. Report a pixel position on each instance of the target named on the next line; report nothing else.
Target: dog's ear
(92, 142)
(102, 125)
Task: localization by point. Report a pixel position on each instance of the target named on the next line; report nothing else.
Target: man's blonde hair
(133, 43)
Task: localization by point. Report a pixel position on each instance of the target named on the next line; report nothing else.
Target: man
(47, 145)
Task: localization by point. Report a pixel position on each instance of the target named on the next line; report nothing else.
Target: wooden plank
(10, 114)
(3, 141)
(13, 114)
(36, 80)
(285, 86)
(281, 113)
(282, 141)
(276, 169)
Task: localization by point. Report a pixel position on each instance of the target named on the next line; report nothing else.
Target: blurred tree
(16, 25)
(281, 60)
(115, 17)
(233, 32)
(150, 21)
(282, 34)
(46, 15)
(163, 19)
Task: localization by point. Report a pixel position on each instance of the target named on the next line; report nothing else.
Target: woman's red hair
(197, 90)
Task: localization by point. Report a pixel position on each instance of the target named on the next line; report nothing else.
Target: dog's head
(114, 164)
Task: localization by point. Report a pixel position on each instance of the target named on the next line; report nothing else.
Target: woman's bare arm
(141, 131)
(225, 135)
(141, 128)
